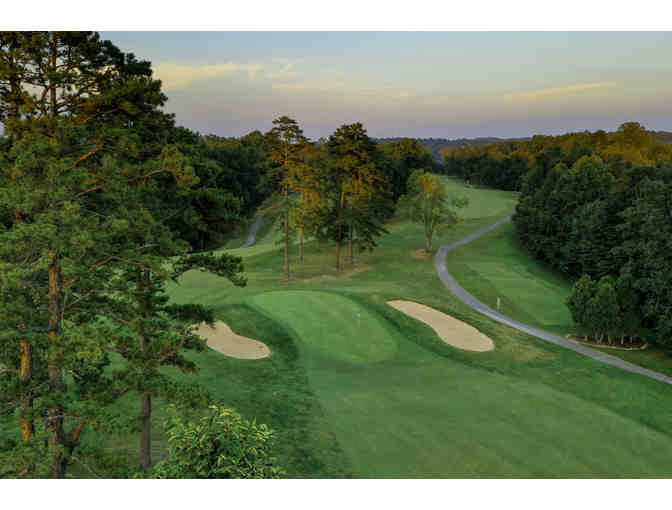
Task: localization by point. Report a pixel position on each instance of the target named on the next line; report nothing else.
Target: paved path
(253, 232)
(449, 281)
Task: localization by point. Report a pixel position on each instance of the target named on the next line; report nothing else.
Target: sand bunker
(222, 339)
(452, 331)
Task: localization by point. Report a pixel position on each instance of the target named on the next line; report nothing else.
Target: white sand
(451, 330)
(222, 339)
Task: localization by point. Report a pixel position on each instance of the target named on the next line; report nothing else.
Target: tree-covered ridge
(440, 147)
(502, 165)
(437, 146)
(609, 222)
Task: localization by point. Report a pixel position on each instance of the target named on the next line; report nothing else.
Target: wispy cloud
(177, 76)
(286, 73)
(559, 91)
(382, 92)
(321, 87)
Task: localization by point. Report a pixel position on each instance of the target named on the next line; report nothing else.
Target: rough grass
(496, 265)
(526, 409)
(399, 402)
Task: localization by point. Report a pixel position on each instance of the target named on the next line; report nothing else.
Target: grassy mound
(335, 326)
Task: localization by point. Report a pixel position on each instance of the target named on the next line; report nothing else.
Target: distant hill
(662, 136)
(434, 145)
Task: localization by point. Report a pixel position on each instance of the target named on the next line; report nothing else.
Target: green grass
(340, 329)
(496, 265)
(381, 395)
(423, 408)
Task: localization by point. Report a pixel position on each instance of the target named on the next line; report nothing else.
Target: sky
(417, 84)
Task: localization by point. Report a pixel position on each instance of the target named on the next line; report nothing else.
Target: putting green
(332, 324)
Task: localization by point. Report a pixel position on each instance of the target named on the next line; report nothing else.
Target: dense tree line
(608, 220)
(437, 147)
(345, 186)
(92, 179)
(506, 165)
(103, 201)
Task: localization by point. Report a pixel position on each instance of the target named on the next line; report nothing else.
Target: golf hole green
(335, 325)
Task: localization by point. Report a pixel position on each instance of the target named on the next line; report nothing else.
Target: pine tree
(73, 156)
(287, 142)
(352, 178)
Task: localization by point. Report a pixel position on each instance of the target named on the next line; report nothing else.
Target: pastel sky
(420, 84)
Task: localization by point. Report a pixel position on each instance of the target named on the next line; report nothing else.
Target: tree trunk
(301, 244)
(25, 374)
(144, 283)
(56, 439)
(52, 92)
(428, 244)
(351, 260)
(286, 237)
(340, 231)
(146, 434)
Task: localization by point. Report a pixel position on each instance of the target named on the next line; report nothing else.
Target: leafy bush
(221, 444)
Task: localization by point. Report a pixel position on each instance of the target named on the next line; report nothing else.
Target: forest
(104, 201)
(439, 146)
(503, 165)
(598, 208)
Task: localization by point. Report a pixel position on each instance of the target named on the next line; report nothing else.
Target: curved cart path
(253, 232)
(468, 299)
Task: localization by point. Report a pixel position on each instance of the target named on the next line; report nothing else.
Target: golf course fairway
(399, 410)
(355, 388)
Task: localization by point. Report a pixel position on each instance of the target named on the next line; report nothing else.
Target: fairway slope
(470, 300)
(356, 388)
(400, 410)
(452, 331)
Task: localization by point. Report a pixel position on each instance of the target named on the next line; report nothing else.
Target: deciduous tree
(427, 203)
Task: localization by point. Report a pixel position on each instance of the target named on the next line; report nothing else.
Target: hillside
(434, 145)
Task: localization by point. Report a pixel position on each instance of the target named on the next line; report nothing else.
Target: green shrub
(222, 444)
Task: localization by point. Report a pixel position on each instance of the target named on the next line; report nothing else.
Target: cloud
(286, 73)
(560, 91)
(382, 92)
(176, 76)
(321, 87)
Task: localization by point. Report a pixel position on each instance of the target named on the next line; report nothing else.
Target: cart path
(471, 301)
(253, 232)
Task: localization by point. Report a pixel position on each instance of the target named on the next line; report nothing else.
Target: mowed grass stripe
(526, 409)
(414, 413)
